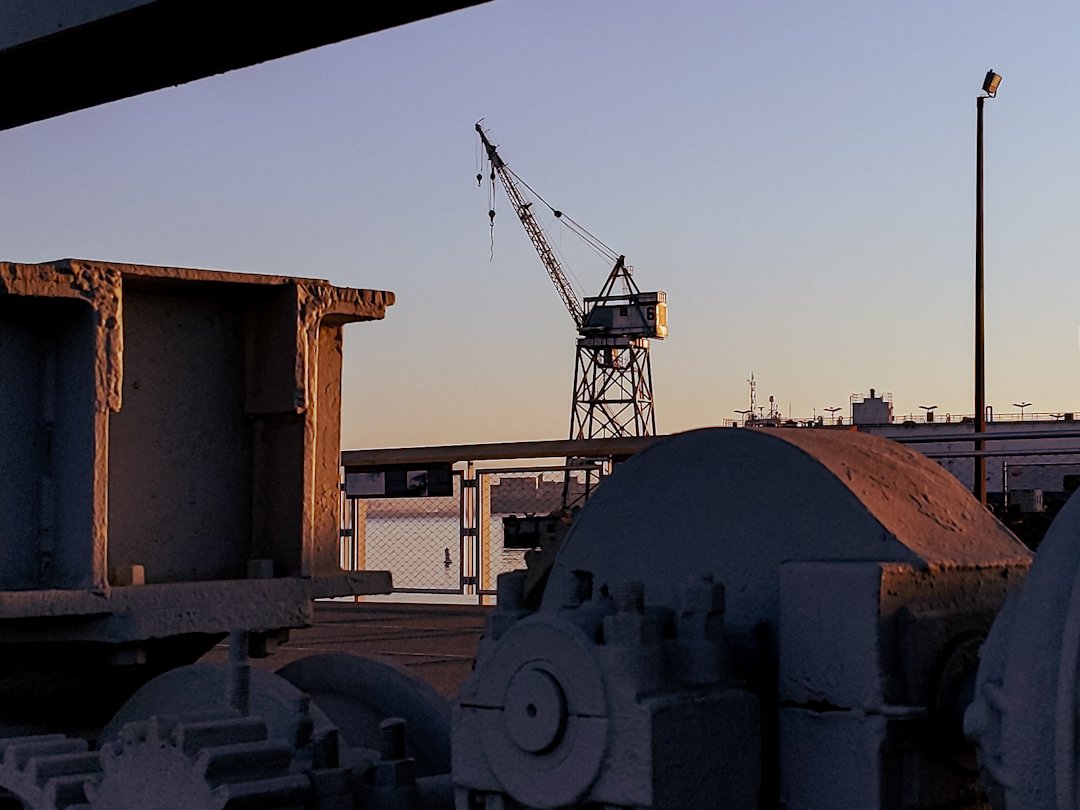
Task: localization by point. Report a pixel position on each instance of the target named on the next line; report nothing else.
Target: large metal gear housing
(1025, 715)
(204, 765)
(45, 772)
(217, 736)
(856, 579)
(126, 547)
(737, 503)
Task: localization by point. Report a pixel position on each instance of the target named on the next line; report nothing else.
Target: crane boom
(523, 208)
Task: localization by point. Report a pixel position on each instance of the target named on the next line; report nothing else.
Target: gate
(458, 544)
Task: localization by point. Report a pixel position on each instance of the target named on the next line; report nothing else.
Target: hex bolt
(393, 738)
(238, 646)
(630, 597)
(511, 590)
(302, 725)
(325, 750)
(240, 688)
(580, 588)
(701, 595)
(239, 685)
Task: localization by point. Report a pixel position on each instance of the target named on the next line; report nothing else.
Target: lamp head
(991, 82)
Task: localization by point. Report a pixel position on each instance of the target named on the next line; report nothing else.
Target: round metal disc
(535, 710)
(357, 693)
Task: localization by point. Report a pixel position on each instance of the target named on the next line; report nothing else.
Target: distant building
(1049, 463)
(1028, 475)
(872, 410)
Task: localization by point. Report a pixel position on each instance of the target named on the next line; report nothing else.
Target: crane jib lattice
(613, 393)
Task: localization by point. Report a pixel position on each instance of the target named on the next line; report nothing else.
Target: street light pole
(990, 86)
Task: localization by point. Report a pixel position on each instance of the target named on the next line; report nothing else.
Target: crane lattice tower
(613, 390)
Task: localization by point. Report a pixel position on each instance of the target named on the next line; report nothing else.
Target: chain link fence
(523, 508)
(419, 540)
(459, 544)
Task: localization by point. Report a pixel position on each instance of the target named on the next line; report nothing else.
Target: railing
(458, 544)
(916, 418)
(420, 540)
(991, 416)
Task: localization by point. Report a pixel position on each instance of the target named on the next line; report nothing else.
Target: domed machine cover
(819, 595)
(737, 503)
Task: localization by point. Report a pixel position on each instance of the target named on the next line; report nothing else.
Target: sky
(799, 178)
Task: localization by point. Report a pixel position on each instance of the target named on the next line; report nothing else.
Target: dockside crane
(613, 392)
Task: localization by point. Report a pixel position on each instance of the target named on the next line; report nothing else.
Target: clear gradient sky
(798, 176)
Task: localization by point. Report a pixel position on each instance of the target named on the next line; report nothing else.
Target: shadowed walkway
(436, 642)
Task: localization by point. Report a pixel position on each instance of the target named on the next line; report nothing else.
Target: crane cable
(491, 214)
(480, 158)
(575, 227)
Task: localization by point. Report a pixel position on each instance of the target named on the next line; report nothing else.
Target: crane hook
(479, 180)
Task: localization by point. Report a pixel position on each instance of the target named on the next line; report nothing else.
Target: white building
(1046, 459)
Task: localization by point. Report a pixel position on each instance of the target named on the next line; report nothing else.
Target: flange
(540, 703)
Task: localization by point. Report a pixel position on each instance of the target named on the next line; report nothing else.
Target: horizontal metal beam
(1059, 451)
(990, 435)
(564, 448)
(57, 56)
(627, 446)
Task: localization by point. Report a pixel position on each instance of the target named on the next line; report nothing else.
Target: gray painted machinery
(746, 619)
(800, 619)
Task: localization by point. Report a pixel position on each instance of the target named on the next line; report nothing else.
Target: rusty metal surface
(164, 426)
(737, 503)
(859, 579)
(171, 441)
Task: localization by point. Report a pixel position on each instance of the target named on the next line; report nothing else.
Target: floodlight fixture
(991, 82)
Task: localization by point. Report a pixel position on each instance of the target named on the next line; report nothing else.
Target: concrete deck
(436, 642)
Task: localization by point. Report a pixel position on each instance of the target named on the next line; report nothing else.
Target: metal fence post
(483, 535)
(468, 528)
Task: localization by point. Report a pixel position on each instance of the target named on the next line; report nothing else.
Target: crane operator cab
(635, 315)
